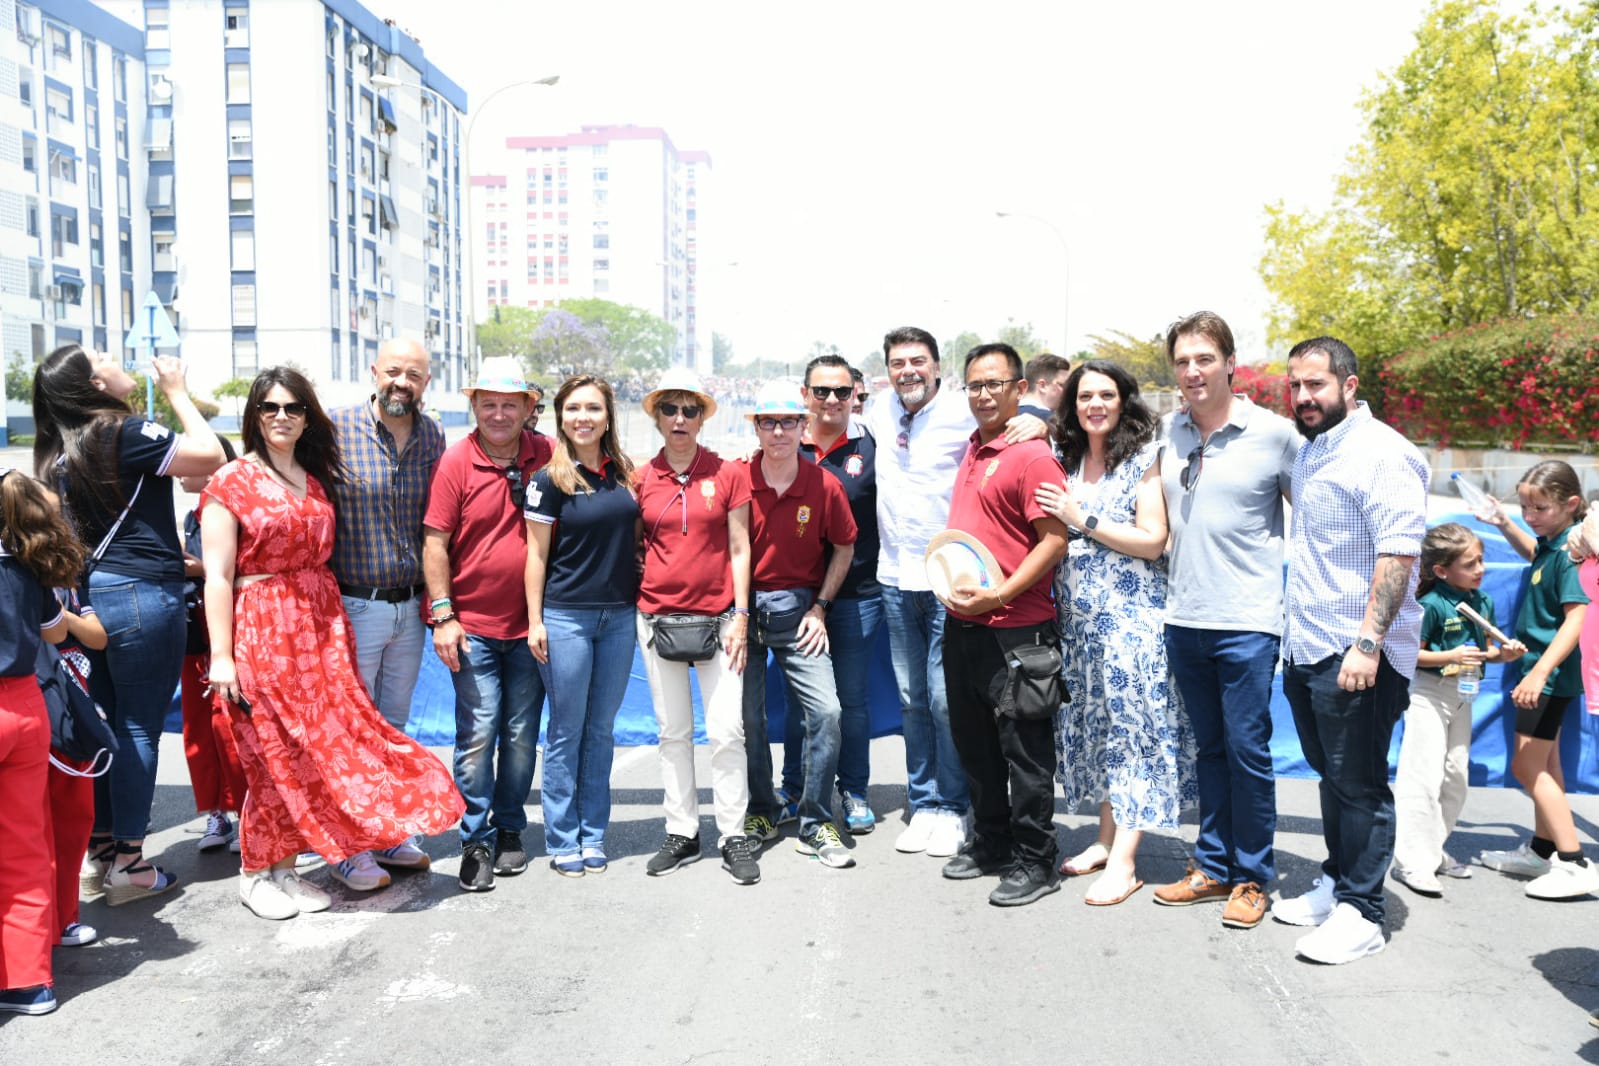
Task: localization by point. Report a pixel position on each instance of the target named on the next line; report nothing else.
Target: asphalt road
(885, 962)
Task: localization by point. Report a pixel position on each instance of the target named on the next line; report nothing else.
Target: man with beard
(1360, 508)
(389, 450)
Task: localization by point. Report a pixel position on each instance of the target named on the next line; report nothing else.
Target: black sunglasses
(690, 411)
(1196, 463)
(839, 392)
(513, 475)
(294, 408)
(538, 408)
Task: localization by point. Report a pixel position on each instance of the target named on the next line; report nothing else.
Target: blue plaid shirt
(1360, 491)
(379, 537)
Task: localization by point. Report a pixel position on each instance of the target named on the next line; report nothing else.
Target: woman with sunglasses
(114, 471)
(582, 589)
(326, 773)
(696, 508)
(1123, 740)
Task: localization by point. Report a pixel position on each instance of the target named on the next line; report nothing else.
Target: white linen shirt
(914, 483)
(1360, 491)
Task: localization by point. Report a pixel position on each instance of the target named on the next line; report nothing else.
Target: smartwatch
(1090, 524)
(825, 605)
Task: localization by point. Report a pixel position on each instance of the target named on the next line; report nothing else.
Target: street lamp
(1066, 271)
(385, 81)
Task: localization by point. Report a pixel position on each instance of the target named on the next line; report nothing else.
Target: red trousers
(27, 914)
(71, 813)
(214, 771)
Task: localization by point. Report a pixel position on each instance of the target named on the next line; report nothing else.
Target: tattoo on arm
(1389, 583)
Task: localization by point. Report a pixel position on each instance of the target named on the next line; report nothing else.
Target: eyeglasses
(995, 385)
(513, 475)
(838, 392)
(904, 438)
(270, 408)
(691, 411)
(1190, 475)
(769, 424)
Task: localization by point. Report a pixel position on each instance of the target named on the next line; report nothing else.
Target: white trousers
(1434, 763)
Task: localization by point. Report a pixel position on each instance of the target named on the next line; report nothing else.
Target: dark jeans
(1225, 679)
(1345, 736)
(1010, 764)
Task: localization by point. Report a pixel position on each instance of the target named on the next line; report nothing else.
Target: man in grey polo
(1226, 470)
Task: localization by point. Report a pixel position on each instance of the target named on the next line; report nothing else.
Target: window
(236, 33)
(96, 245)
(602, 240)
(333, 204)
(30, 155)
(239, 139)
(99, 303)
(127, 308)
(601, 173)
(158, 136)
(25, 87)
(91, 72)
(241, 194)
(244, 358)
(243, 249)
(602, 264)
(91, 124)
(63, 168)
(124, 199)
(57, 110)
(369, 215)
(122, 137)
(164, 260)
(32, 210)
(158, 194)
(63, 232)
(157, 28)
(333, 98)
(60, 40)
(333, 252)
(238, 83)
(125, 251)
(93, 178)
(35, 281)
(244, 305)
(119, 77)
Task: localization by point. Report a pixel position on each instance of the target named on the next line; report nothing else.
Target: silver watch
(1366, 646)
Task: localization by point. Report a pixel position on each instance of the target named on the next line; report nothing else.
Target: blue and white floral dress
(1124, 736)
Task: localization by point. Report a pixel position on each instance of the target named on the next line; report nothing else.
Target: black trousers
(1009, 763)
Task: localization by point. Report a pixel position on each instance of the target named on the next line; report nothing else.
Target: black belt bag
(1033, 687)
(686, 638)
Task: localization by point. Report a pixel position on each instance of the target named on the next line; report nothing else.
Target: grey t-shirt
(1227, 527)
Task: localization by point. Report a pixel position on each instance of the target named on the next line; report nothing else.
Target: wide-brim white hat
(679, 379)
(955, 558)
(502, 373)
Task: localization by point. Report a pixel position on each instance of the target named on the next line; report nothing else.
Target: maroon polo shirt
(788, 533)
(687, 562)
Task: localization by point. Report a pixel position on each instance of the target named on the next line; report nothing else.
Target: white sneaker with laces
(77, 934)
(1345, 936)
(265, 897)
(1420, 883)
(1565, 880)
(361, 873)
(1453, 867)
(305, 895)
(1312, 908)
(1523, 861)
(918, 832)
(948, 835)
(405, 855)
(218, 831)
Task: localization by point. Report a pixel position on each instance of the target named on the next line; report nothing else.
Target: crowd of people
(1117, 632)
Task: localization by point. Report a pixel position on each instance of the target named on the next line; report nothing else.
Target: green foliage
(637, 340)
(597, 335)
(953, 352)
(1145, 360)
(1022, 338)
(1512, 383)
(721, 353)
(508, 332)
(1471, 195)
(19, 378)
(164, 413)
(235, 389)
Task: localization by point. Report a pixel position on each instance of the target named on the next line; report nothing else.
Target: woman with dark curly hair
(326, 773)
(1123, 740)
(115, 471)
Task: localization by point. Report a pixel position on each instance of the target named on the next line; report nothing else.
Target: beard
(915, 395)
(396, 406)
(1331, 415)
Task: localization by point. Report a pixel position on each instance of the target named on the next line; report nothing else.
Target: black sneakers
(1024, 884)
(738, 859)
(976, 860)
(477, 868)
(677, 851)
(509, 858)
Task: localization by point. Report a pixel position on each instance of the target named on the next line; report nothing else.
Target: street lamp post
(384, 81)
(1066, 271)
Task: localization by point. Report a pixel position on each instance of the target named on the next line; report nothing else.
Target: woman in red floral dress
(326, 773)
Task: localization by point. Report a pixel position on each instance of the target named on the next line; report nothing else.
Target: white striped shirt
(1360, 491)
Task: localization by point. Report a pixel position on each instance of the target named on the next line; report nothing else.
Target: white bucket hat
(502, 373)
(679, 379)
(780, 398)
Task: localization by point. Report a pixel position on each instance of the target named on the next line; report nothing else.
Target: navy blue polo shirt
(593, 558)
(25, 608)
(147, 545)
(854, 462)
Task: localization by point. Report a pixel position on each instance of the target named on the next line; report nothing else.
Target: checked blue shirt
(380, 506)
(1360, 491)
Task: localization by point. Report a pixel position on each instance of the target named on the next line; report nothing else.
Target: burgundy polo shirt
(687, 562)
(994, 502)
(470, 499)
(788, 533)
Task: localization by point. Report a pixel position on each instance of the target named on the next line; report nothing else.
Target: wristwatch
(1090, 524)
(1366, 646)
(825, 605)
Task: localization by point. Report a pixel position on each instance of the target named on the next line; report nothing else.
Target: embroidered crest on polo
(802, 518)
(708, 490)
(534, 497)
(854, 465)
(993, 465)
(155, 431)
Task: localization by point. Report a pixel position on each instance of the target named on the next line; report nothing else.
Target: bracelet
(442, 601)
(742, 610)
(441, 619)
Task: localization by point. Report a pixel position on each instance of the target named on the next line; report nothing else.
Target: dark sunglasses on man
(838, 392)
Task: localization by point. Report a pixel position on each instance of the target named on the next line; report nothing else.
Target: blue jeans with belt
(134, 680)
(498, 697)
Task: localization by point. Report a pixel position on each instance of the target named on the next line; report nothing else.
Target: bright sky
(862, 149)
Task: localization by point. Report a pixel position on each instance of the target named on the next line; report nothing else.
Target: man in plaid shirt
(1354, 628)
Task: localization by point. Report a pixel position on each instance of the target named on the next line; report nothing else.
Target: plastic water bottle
(1479, 501)
(1470, 677)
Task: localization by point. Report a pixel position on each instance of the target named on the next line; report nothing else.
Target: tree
(1145, 360)
(954, 350)
(1470, 196)
(509, 331)
(235, 389)
(1022, 338)
(636, 340)
(721, 353)
(19, 378)
(563, 344)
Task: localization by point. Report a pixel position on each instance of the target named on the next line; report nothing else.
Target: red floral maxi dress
(326, 773)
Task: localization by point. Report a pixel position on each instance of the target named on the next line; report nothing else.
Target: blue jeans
(934, 778)
(134, 680)
(498, 697)
(388, 652)
(851, 637)
(813, 698)
(591, 657)
(1345, 736)
(1225, 679)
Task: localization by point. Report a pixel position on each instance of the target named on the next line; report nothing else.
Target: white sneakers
(361, 873)
(1345, 936)
(406, 855)
(1522, 861)
(948, 835)
(1423, 884)
(1565, 880)
(1313, 908)
(280, 894)
(918, 832)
